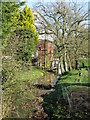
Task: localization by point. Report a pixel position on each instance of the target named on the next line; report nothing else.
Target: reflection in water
(41, 88)
(47, 79)
(45, 84)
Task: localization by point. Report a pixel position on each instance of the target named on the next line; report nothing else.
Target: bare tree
(65, 22)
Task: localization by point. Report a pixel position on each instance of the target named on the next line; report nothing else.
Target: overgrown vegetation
(17, 90)
(19, 39)
(27, 36)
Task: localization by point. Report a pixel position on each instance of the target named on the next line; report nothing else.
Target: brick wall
(41, 51)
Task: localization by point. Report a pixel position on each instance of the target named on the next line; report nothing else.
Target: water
(74, 98)
(43, 86)
(48, 80)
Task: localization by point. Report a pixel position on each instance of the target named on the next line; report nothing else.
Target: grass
(29, 75)
(18, 91)
(72, 77)
(85, 61)
(57, 107)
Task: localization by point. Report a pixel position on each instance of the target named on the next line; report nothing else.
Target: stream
(44, 86)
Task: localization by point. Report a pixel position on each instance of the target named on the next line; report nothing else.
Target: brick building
(44, 57)
(44, 52)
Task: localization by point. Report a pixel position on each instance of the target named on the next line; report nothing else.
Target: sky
(30, 3)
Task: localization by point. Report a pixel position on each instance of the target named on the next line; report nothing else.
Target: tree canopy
(10, 16)
(28, 36)
(66, 22)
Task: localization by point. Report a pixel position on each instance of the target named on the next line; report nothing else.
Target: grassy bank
(72, 77)
(69, 87)
(85, 61)
(18, 91)
(32, 75)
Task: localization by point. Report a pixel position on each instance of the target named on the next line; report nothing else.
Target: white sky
(30, 3)
(55, 0)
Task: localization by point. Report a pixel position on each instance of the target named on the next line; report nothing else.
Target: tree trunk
(76, 64)
(66, 65)
(69, 61)
(83, 64)
(62, 65)
(59, 69)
